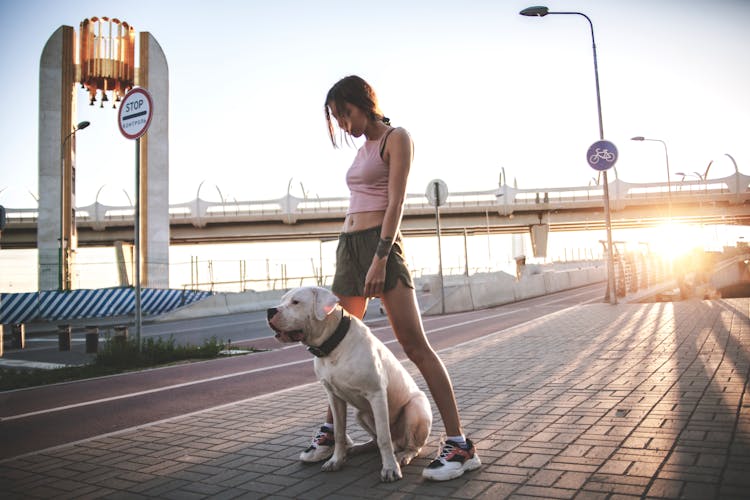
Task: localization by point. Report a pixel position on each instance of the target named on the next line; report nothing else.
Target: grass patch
(116, 356)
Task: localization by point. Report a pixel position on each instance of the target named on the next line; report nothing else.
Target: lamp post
(669, 182)
(705, 174)
(736, 175)
(540, 11)
(736, 169)
(62, 258)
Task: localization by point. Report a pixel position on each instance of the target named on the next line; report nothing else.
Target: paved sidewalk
(596, 401)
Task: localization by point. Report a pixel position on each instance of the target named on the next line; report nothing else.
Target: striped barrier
(99, 303)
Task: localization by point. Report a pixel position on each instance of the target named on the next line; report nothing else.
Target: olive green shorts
(353, 258)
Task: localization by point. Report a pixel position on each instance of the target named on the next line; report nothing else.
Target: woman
(370, 261)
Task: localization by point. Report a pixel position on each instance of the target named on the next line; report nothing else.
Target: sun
(673, 240)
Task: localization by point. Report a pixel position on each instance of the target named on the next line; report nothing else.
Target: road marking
(149, 391)
(38, 365)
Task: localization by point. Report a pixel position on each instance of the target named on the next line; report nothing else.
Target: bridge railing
(504, 199)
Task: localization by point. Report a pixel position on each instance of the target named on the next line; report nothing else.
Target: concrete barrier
(481, 291)
(225, 303)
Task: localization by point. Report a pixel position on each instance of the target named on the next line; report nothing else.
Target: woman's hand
(375, 280)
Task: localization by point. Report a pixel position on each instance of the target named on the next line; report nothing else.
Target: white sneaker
(452, 462)
(321, 447)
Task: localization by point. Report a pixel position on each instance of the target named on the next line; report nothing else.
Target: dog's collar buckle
(334, 340)
(317, 351)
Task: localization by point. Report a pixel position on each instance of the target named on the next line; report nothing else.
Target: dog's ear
(325, 303)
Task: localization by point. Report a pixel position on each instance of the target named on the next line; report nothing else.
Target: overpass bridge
(502, 210)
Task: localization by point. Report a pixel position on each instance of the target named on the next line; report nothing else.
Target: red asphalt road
(39, 418)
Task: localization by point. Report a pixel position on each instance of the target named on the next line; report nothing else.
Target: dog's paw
(332, 465)
(405, 457)
(388, 475)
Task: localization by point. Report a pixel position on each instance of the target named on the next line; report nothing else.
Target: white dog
(356, 368)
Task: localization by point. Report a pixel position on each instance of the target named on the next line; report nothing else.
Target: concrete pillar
(154, 180)
(64, 337)
(92, 339)
(121, 335)
(122, 262)
(57, 106)
(18, 336)
(539, 234)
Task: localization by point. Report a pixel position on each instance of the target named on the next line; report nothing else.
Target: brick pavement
(596, 401)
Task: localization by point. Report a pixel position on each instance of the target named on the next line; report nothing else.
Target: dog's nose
(272, 312)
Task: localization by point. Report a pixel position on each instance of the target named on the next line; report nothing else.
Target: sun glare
(673, 240)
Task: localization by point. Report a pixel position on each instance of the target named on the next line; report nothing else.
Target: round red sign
(134, 115)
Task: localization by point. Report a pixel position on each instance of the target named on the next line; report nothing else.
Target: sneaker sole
(469, 465)
(314, 460)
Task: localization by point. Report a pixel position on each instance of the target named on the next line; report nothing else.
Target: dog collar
(334, 340)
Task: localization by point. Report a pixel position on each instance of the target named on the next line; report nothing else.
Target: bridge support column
(539, 233)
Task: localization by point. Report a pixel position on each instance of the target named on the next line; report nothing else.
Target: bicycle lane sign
(602, 155)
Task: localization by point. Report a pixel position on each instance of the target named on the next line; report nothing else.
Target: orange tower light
(106, 55)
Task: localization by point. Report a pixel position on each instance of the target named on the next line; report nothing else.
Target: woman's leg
(457, 454)
(356, 306)
(403, 312)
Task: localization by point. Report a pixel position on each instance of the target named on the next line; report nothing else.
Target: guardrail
(505, 200)
(52, 305)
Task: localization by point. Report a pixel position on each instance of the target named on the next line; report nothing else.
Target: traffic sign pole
(440, 250)
(137, 242)
(602, 156)
(134, 118)
(437, 193)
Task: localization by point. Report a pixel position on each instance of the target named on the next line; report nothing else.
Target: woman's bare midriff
(363, 220)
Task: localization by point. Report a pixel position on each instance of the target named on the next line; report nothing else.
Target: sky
(479, 87)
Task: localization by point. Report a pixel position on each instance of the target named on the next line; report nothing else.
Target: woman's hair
(353, 90)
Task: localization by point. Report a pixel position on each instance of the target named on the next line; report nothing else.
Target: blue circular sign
(602, 155)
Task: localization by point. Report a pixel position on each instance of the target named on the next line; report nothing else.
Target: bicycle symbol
(603, 154)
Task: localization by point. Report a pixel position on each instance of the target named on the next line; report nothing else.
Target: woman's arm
(398, 154)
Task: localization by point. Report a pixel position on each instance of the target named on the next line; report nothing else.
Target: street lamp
(62, 260)
(666, 155)
(705, 175)
(736, 174)
(540, 11)
(736, 169)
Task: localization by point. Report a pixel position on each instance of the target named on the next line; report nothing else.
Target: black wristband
(384, 247)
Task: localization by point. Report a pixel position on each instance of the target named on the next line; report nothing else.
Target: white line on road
(150, 391)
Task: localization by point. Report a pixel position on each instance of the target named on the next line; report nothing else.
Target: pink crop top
(367, 178)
